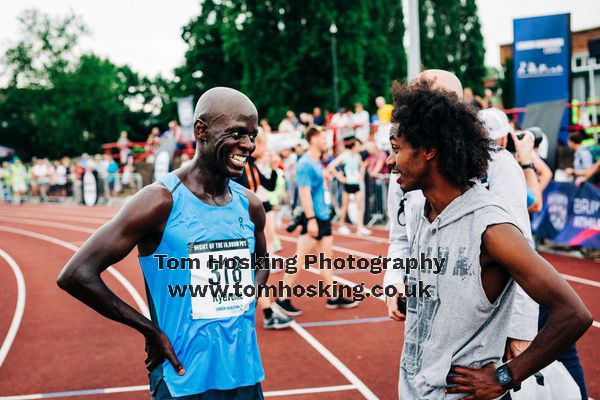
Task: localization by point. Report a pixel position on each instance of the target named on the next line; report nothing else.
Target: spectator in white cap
(497, 125)
(531, 164)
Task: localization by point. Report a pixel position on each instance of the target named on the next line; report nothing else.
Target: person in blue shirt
(194, 229)
(315, 237)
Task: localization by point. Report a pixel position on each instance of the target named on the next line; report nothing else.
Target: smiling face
(227, 143)
(411, 164)
(225, 129)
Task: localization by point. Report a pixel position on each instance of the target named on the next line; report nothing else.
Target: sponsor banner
(571, 215)
(185, 111)
(542, 61)
(89, 188)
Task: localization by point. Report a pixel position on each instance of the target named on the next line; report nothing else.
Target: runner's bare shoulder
(148, 209)
(255, 208)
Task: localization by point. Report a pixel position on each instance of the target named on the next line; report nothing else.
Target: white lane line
(581, 280)
(340, 366)
(26, 221)
(324, 389)
(19, 307)
(144, 388)
(301, 331)
(118, 276)
(90, 220)
(369, 255)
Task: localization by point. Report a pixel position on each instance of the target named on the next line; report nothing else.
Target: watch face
(503, 375)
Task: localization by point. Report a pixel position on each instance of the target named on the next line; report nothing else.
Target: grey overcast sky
(146, 33)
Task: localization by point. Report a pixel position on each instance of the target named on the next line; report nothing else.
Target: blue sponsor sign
(542, 61)
(571, 215)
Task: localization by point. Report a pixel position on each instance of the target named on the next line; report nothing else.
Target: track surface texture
(60, 348)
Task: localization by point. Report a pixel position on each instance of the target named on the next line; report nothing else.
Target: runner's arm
(306, 201)
(258, 217)
(543, 170)
(143, 214)
(332, 168)
(399, 244)
(569, 317)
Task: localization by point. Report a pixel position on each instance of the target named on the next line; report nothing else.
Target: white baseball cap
(495, 121)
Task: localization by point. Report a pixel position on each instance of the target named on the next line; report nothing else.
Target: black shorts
(324, 227)
(253, 392)
(267, 206)
(351, 188)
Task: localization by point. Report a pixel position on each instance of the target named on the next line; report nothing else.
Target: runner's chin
(233, 169)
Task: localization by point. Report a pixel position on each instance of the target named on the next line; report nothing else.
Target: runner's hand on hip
(479, 383)
(158, 348)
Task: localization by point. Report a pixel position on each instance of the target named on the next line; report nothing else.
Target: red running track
(61, 346)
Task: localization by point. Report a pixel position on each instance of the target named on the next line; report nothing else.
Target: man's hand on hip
(158, 348)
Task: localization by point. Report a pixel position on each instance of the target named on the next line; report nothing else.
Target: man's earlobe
(430, 154)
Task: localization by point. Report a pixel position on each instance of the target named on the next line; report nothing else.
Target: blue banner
(542, 61)
(571, 215)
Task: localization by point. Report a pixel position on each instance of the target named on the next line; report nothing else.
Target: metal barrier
(113, 184)
(106, 187)
(376, 190)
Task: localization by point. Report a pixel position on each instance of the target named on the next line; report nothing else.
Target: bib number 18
(226, 272)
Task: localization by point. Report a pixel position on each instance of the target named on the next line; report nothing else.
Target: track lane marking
(143, 388)
(19, 307)
(341, 367)
(139, 301)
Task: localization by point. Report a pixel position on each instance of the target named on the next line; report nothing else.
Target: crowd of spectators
(356, 127)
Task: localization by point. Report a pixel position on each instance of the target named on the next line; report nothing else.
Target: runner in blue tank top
(197, 234)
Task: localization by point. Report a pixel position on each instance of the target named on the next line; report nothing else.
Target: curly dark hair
(437, 119)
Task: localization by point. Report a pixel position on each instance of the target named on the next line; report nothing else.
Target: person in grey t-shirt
(456, 326)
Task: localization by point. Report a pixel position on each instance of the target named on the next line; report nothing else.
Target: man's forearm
(306, 202)
(92, 291)
(563, 328)
(261, 273)
(261, 276)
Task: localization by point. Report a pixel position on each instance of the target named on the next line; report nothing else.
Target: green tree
(59, 103)
(385, 58)
(279, 51)
(451, 39)
(206, 62)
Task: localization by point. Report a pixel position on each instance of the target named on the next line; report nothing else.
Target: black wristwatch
(313, 217)
(504, 377)
(525, 166)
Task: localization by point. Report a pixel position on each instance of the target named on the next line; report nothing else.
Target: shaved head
(220, 101)
(442, 80)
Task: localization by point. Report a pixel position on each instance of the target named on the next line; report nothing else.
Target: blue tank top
(212, 336)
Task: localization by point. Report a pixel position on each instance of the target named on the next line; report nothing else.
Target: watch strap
(525, 166)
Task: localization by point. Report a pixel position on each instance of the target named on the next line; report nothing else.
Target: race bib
(221, 265)
(327, 197)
